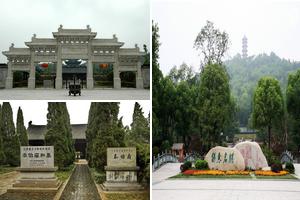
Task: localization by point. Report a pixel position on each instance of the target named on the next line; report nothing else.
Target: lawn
(6, 169)
(206, 176)
(288, 176)
(63, 175)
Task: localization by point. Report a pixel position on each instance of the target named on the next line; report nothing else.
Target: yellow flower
(270, 173)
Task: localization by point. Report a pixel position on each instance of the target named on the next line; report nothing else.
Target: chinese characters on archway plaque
(37, 157)
(121, 157)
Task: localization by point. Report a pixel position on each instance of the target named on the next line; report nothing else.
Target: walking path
(164, 172)
(81, 185)
(173, 189)
(297, 170)
(63, 94)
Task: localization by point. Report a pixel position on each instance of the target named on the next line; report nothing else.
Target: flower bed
(270, 173)
(214, 172)
(232, 172)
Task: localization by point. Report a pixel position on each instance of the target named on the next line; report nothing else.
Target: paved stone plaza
(165, 189)
(95, 94)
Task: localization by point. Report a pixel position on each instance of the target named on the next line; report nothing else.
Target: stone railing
(192, 157)
(286, 156)
(162, 159)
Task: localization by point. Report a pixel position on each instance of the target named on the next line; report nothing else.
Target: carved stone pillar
(58, 79)
(90, 73)
(31, 79)
(90, 78)
(117, 80)
(9, 78)
(139, 78)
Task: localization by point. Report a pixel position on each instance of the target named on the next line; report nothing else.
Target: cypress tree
(2, 155)
(21, 130)
(59, 134)
(139, 137)
(11, 143)
(104, 130)
(140, 130)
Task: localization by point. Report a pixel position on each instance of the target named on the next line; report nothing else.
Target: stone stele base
(36, 180)
(121, 179)
(114, 186)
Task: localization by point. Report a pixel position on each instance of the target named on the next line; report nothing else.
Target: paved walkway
(63, 94)
(173, 189)
(81, 185)
(297, 170)
(166, 171)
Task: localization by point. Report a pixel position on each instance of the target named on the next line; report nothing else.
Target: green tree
(156, 86)
(2, 155)
(104, 130)
(59, 134)
(214, 103)
(140, 130)
(183, 73)
(245, 73)
(293, 105)
(147, 56)
(268, 105)
(139, 136)
(21, 130)
(11, 143)
(212, 44)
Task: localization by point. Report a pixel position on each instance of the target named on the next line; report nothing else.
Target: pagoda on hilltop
(244, 47)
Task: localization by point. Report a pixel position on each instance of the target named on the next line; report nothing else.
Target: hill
(245, 73)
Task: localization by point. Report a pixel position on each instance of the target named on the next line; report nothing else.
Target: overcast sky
(36, 111)
(269, 25)
(128, 19)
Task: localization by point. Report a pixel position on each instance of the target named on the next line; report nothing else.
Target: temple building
(244, 47)
(36, 136)
(74, 54)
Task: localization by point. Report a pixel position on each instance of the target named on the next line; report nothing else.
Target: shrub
(276, 167)
(290, 167)
(270, 156)
(201, 164)
(155, 151)
(188, 164)
(100, 177)
(185, 166)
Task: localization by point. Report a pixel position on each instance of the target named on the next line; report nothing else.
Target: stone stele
(253, 155)
(37, 171)
(223, 158)
(121, 170)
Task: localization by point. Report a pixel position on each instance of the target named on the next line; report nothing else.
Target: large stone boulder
(252, 154)
(223, 158)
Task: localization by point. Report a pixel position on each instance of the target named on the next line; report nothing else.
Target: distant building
(177, 149)
(245, 47)
(36, 136)
(246, 134)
